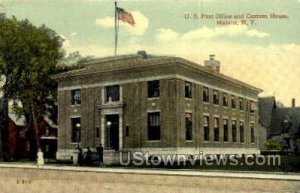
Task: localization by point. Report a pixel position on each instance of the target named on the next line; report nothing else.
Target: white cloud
(163, 34)
(73, 34)
(206, 32)
(141, 23)
(67, 44)
(106, 22)
(255, 33)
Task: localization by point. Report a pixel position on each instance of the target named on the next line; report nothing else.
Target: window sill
(153, 141)
(111, 102)
(74, 143)
(204, 102)
(189, 99)
(153, 98)
(76, 105)
(189, 141)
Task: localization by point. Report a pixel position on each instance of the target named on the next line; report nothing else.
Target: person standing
(100, 154)
(80, 157)
(88, 157)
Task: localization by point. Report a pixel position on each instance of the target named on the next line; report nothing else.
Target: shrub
(274, 145)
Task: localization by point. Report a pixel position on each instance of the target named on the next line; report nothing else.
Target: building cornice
(137, 63)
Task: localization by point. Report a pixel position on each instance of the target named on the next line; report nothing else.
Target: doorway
(112, 132)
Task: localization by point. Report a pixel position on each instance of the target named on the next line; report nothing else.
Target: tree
(28, 57)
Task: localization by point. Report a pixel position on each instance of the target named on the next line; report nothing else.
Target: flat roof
(139, 61)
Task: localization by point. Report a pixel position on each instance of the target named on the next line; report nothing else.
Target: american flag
(125, 16)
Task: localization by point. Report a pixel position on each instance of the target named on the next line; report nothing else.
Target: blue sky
(265, 55)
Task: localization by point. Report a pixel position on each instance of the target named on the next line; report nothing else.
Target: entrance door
(112, 132)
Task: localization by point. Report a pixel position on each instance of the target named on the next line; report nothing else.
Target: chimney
(293, 102)
(212, 64)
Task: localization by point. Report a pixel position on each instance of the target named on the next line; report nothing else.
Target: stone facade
(132, 74)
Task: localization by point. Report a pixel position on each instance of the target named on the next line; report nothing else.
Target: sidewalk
(169, 172)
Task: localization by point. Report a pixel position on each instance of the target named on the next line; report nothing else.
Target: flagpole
(116, 30)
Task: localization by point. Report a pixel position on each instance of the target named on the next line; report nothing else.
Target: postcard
(149, 96)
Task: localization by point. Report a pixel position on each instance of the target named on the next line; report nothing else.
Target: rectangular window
(205, 94)
(22, 133)
(216, 97)
(153, 89)
(27, 145)
(154, 126)
(76, 130)
(188, 126)
(127, 130)
(47, 148)
(97, 132)
(233, 102)
(206, 128)
(225, 100)
(76, 97)
(241, 131)
(47, 131)
(253, 106)
(225, 127)
(216, 129)
(241, 103)
(112, 93)
(188, 90)
(234, 133)
(252, 133)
